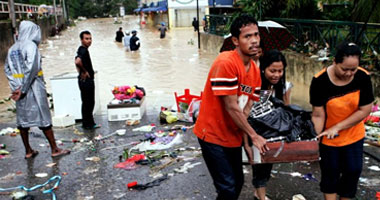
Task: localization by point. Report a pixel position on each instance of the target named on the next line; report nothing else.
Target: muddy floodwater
(161, 66)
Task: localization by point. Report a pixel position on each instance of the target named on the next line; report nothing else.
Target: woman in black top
(272, 67)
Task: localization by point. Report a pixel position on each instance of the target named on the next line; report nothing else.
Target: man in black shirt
(119, 35)
(86, 80)
(134, 42)
(195, 24)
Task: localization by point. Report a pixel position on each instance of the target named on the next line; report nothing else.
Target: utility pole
(12, 16)
(63, 5)
(55, 12)
(199, 35)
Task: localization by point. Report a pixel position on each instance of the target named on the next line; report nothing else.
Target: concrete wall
(155, 19)
(6, 38)
(300, 72)
(180, 17)
(211, 43)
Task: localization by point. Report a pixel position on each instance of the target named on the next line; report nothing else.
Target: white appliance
(66, 95)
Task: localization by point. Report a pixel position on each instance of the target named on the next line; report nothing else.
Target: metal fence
(319, 32)
(331, 33)
(217, 24)
(28, 8)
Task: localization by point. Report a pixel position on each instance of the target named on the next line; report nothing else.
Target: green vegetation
(90, 8)
(343, 10)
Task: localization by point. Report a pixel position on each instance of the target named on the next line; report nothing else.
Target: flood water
(161, 66)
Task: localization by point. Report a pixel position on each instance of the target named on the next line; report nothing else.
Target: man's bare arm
(84, 73)
(240, 119)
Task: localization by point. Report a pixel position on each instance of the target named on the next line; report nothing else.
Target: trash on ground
(147, 145)
(132, 122)
(156, 182)
(19, 194)
(4, 152)
(309, 176)
(130, 163)
(41, 175)
(121, 132)
(94, 159)
(51, 164)
(186, 167)
(146, 128)
(8, 130)
(298, 197)
(374, 168)
(296, 174)
(44, 190)
(369, 182)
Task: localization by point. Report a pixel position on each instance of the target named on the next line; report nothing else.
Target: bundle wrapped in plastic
(291, 122)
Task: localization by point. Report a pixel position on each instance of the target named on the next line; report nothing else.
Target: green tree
(366, 10)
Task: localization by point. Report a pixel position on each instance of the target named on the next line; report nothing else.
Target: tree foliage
(90, 8)
(345, 10)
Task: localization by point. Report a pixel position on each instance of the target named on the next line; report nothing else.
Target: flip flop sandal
(96, 126)
(34, 154)
(62, 153)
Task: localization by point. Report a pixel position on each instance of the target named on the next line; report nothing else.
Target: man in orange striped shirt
(233, 84)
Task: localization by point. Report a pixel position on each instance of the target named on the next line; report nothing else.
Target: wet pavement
(83, 179)
(162, 68)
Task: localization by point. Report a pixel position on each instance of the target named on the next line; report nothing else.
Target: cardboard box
(126, 111)
(283, 152)
(63, 120)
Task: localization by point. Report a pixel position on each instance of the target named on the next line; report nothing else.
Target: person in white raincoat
(23, 70)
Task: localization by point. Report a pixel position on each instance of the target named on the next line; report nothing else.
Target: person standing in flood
(127, 39)
(86, 81)
(134, 41)
(341, 96)
(230, 91)
(162, 30)
(195, 24)
(23, 70)
(119, 35)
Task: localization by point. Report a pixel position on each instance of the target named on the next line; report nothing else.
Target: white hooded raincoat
(23, 70)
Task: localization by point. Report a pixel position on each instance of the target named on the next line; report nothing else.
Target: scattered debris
(44, 190)
(94, 159)
(369, 182)
(8, 130)
(41, 175)
(51, 164)
(186, 166)
(4, 152)
(374, 168)
(132, 122)
(146, 128)
(130, 163)
(298, 197)
(136, 186)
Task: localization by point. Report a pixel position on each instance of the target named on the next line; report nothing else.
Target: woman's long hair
(266, 60)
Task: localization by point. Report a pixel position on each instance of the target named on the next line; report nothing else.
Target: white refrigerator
(66, 95)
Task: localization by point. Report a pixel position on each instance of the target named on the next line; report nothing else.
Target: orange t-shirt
(340, 102)
(227, 76)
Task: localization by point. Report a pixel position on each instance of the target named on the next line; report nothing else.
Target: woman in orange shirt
(342, 97)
